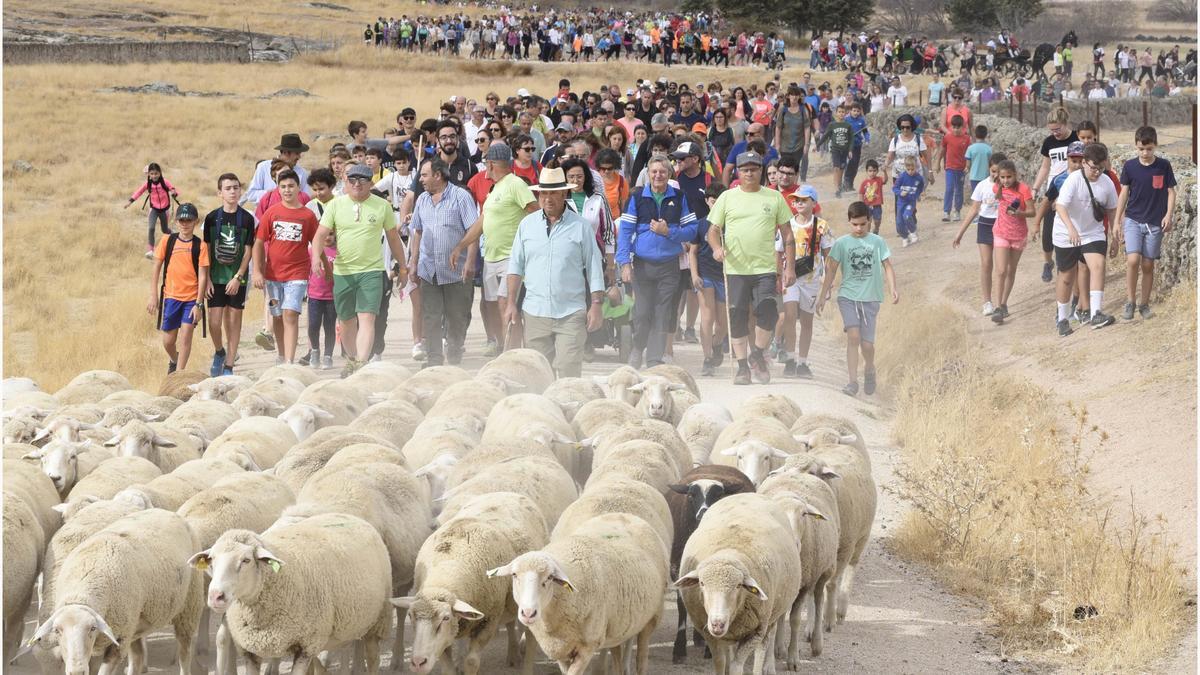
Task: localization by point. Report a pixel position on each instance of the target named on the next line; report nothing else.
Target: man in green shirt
(742, 227)
(865, 261)
(508, 202)
(358, 218)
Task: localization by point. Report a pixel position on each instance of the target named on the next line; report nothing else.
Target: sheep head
(237, 562)
(754, 458)
(79, 632)
(535, 577)
(436, 614)
(724, 582)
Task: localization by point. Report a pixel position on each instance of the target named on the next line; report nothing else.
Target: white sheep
(772, 444)
(309, 586)
(112, 476)
(596, 415)
(740, 577)
(178, 384)
(155, 409)
(675, 374)
(394, 421)
(699, 428)
(424, 448)
(24, 542)
(811, 508)
(125, 397)
(164, 444)
(265, 440)
(119, 585)
(527, 367)
(618, 494)
(781, 407)
(65, 463)
(293, 371)
(753, 458)
(533, 417)
(91, 386)
(643, 429)
(545, 482)
(22, 427)
(221, 388)
(388, 497)
(436, 473)
(473, 397)
(170, 490)
(478, 460)
(812, 430)
(324, 404)
(847, 471)
(641, 460)
(310, 455)
(38, 400)
(454, 595)
(35, 488)
(618, 382)
(268, 396)
(426, 385)
(379, 376)
(17, 385)
(570, 393)
(659, 396)
(578, 595)
(207, 419)
(367, 453)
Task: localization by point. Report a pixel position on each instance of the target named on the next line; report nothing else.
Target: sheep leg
(511, 654)
(137, 658)
(579, 664)
(643, 646)
(720, 657)
(831, 597)
(184, 646)
(766, 652)
(679, 651)
(370, 646)
(203, 652)
(13, 630)
(741, 652)
(111, 661)
(819, 598)
(470, 664)
(527, 656)
(447, 660)
(320, 665)
(843, 594)
(355, 663)
(794, 619)
(613, 660)
(398, 644)
(226, 659)
(301, 662)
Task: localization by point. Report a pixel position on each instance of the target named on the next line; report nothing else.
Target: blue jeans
(954, 190)
(906, 216)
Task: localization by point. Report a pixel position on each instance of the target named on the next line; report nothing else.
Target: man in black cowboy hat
(290, 148)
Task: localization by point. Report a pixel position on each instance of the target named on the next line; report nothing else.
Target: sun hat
(552, 179)
(291, 143)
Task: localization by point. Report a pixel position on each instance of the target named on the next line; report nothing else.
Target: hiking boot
(1100, 319)
(326, 363)
(1127, 314)
(492, 349)
(172, 367)
(850, 389)
(707, 369)
(689, 336)
(1145, 311)
(352, 366)
(869, 382)
(802, 370)
(988, 309)
(1064, 328)
(789, 369)
(759, 368)
(218, 362)
(418, 352)
(1047, 272)
(265, 340)
(743, 375)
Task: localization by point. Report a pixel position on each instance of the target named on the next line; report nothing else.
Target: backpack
(163, 286)
(223, 252)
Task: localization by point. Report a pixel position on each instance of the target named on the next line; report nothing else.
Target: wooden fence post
(1021, 110)
(1035, 122)
(1145, 113)
(1010, 107)
(1097, 120)
(1193, 133)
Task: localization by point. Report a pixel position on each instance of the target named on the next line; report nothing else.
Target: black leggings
(161, 216)
(321, 314)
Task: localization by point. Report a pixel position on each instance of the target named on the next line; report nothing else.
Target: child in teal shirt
(979, 154)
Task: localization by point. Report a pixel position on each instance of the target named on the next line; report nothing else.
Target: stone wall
(124, 52)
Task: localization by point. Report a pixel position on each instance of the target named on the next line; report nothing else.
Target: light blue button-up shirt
(561, 268)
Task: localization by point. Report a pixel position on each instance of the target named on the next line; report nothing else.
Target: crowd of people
(682, 210)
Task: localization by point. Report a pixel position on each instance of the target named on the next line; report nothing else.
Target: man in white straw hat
(556, 256)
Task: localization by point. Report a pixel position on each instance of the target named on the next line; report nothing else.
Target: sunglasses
(606, 168)
(408, 118)
(527, 148)
(481, 139)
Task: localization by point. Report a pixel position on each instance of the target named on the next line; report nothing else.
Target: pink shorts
(1001, 242)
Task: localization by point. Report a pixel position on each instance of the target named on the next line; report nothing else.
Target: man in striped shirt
(441, 216)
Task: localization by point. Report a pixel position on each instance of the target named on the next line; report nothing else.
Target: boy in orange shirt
(871, 191)
(180, 273)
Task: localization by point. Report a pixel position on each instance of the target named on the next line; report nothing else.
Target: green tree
(831, 16)
(975, 16)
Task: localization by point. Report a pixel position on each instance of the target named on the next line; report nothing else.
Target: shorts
(860, 315)
(804, 293)
(839, 158)
(1067, 258)
(495, 280)
(718, 286)
(355, 294)
(1014, 244)
(983, 233)
(222, 299)
(751, 291)
(286, 295)
(876, 212)
(176, 312)
(1048, 230)
(1143, 239)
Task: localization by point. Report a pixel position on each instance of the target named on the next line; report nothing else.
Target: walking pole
(728, 311)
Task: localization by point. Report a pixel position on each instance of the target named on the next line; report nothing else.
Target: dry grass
(1003, 510)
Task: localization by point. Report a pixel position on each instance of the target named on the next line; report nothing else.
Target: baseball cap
(659, 118)
(749, 157)
(359, 171)
(662, 80)
(700, 128)
(807, 191)
(187, 211)
(564, 126)
(1075, 149)
(407, 112)
(687, 149)
(629, 92)
(498, 152)
(523, 92)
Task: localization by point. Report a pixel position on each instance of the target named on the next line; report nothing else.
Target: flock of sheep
(299, 515)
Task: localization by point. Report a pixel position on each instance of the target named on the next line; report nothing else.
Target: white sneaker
(418, 352)
(988, 309)
(327, 363)
(912, 238)
(904, 242)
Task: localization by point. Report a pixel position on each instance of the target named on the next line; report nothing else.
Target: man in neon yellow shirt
(742, 227)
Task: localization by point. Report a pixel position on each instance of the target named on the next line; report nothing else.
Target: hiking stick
(728, 313)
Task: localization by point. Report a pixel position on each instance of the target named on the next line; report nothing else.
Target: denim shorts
(860, 315)
(287, 295)
(718, 286)
(1143, 239)
(876, 212)
(983, 233)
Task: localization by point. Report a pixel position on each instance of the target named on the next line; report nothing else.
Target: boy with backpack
(177, 287)
(1144, 215)
(281, 261)
(229, 234)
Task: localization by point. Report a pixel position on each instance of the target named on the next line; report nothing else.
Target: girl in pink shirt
(158, 191)
(1014, 204)
(321, 313)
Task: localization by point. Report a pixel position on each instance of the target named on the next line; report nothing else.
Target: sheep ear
(830, 474)
(378, 397)
(61, 508)
(464, 611)
(688, 580)
(405, 602)
(636, 387)
(675, 386)
(42, 432)
(729, 452)
(589, 443)
(87, 425)
(322, 414)
(502, 571)
(776, 472)
(847, 439)
(263, 555)
(572, 406)
(160, 442)
(423, 394)
(36, 454)
(810, 510)
(681, 489)
(113, 442)
(102, 626)
(149, 417)
(806, 439)
(779, 454)
(559, 576)
(751, 586)
(201, 561)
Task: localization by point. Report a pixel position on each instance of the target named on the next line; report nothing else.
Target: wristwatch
(241, 279)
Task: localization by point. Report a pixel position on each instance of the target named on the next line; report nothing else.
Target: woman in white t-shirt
(984, 204)
(1079, 234)
(907, 144)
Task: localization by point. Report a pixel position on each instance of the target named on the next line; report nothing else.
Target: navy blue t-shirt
(1148, 187)
(693, 191)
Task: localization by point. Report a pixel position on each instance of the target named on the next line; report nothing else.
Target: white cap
(523, 92)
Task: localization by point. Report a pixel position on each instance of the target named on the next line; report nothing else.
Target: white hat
(552, 179)
(523, 92)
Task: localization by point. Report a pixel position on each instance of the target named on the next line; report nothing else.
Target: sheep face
(723, 584)
(62, 428)
(805, 463)
(754, 459)
(824, 436)
(620, 383)
(701, 494)
(656, 399)
(435, 616)
(435, 473)
(76, 631)
(535, 578)
(237, 569)
(254, 404)
(59, 460)
(20, 430)
(118, 416)
(136, 439)
(304, 419)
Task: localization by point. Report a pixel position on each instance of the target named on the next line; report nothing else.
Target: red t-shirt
(1013, 228)
(480, 186)
(762, 111)
(286, 234)
(955, 147)
(530, 175)
(871, 190)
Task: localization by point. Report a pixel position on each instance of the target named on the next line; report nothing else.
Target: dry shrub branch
(1002, 508)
